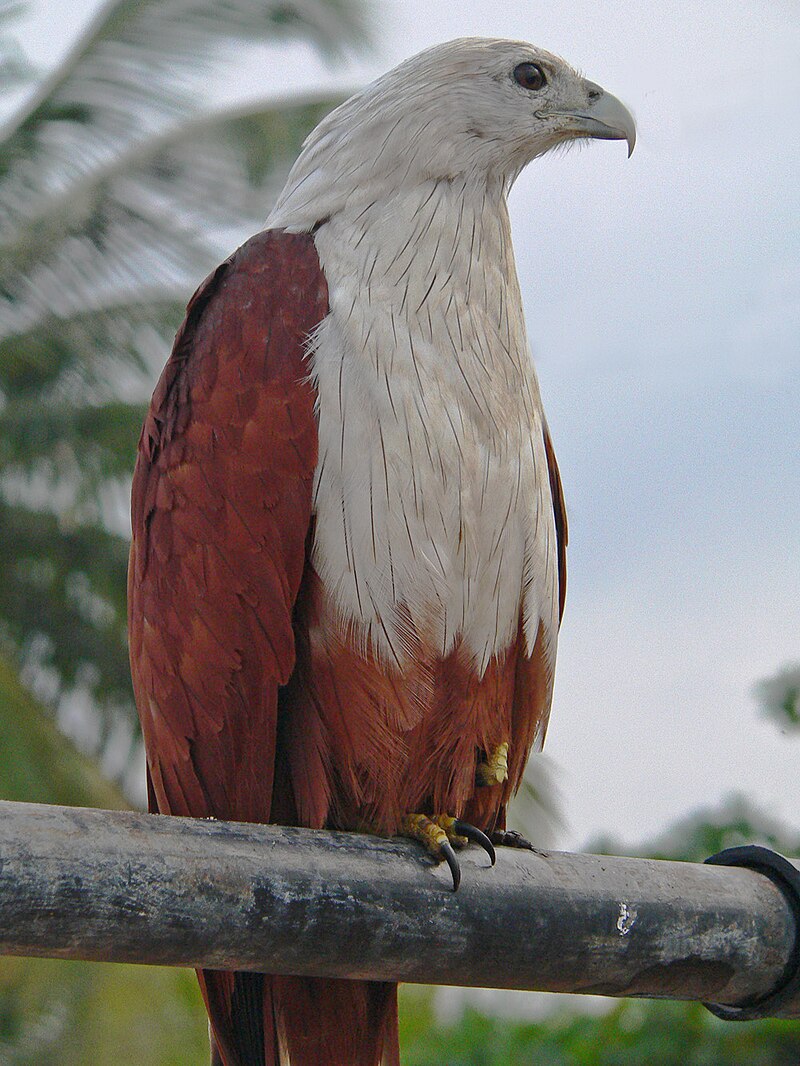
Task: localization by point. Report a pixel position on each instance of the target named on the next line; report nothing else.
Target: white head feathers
(467, 109)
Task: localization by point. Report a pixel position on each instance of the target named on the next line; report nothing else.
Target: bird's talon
(450, 857)
(494, 769)
(442, 834)
(476, 835)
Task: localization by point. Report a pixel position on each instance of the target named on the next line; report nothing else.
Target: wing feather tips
(560, 515)
(221, 505)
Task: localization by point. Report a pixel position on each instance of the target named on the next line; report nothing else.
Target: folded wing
(221, 510)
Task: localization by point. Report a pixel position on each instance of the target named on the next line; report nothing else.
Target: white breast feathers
(433, 512)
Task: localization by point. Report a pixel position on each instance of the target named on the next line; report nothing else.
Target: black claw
(452, 862)
(510, 838)
(471, 832)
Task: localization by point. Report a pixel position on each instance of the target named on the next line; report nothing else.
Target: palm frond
(133, 72)
(14, 65)
(92, 355)
(152, 223)
(120, 247)
(62, 600)
(59, 441)
(118, 192)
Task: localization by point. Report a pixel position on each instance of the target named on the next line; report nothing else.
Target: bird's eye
(529, 76)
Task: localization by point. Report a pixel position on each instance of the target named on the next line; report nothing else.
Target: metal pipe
(118, 886)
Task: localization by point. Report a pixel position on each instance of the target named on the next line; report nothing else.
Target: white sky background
(663, 304)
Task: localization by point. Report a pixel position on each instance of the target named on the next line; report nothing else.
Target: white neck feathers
(434, 522)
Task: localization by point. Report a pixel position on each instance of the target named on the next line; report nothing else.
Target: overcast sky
(663, 303)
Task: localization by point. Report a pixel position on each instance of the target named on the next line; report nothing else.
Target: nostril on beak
(594, 93)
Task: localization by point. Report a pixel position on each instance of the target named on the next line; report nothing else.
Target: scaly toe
(429, 832)
(494, 770)
(441, 834)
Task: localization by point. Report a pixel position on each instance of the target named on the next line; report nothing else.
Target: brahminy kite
(348, 561)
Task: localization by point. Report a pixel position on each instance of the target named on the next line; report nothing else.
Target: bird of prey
(348, 561)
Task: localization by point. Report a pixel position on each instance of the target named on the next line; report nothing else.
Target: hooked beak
(605, 117)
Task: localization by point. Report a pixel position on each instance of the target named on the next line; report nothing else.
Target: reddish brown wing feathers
(560, 514)
(534, 673)
(221, 508)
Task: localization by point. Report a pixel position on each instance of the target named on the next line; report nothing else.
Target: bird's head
(473, 108)
(494, 105)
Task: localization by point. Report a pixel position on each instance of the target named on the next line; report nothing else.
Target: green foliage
(735, 822)
(56, 1013)
(67, 440)
(630, 1034)
(779, 696)
(37, 765)
(62, 598)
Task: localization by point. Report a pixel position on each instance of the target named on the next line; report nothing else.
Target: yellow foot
(494, 770)
(440, 834)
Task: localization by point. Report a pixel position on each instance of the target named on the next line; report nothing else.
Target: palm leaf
(130, 74)
(62, 600)
(91, 355)
(146, 227)
(14, 67)
(67, 440)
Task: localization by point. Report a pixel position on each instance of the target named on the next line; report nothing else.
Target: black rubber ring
(785, 875)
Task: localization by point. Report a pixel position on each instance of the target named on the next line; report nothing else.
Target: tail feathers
(259, 1020)
(242, 1018)
(338, 1023)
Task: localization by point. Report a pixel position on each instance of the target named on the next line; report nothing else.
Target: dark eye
(529, 76)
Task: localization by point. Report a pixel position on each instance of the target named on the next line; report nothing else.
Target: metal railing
(116, 886)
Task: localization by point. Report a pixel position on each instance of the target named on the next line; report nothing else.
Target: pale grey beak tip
(607, 118)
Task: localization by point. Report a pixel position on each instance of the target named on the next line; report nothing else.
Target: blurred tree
(779, 696)
(119, 190)
(56, 1013)
(14, 67)
(736, 821)
(37, 765)
(631, 1033)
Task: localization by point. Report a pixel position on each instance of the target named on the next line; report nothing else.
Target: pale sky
(663, 303)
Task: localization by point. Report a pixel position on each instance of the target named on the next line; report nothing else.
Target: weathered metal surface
(79, 883)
